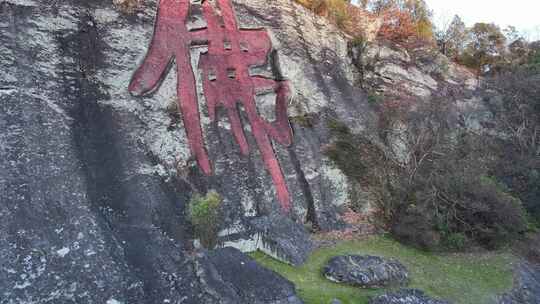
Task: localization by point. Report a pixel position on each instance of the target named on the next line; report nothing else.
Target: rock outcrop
(94, 181)
(276, 236)
(366, 271)
(526, 286)
(406, 296)
(230, 277)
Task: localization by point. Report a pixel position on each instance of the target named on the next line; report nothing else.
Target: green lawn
(460, 278)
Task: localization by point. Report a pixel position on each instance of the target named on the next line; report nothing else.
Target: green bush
(535, 58)
(455, 205)
(204, 215)
(306, 120)
(446, 201)
(517, 116)
(374, 98)
(344, 150)
(455, 241)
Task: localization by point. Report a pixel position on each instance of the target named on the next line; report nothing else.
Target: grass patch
(460, 278)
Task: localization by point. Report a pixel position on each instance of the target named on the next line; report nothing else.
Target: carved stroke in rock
(226, 79)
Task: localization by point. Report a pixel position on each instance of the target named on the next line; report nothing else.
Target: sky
(523, 14)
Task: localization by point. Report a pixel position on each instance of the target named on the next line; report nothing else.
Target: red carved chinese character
(226, 79)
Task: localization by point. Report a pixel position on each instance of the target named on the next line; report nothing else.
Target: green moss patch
(461, 278)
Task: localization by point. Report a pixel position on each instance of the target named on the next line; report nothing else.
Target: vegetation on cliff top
(483, 47)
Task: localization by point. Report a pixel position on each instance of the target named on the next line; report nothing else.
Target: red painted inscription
(226, 79)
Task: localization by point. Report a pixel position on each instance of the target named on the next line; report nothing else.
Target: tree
(404, 20)
(451, 40)
(204, 215)
(512, 34)
(379, 6)
(485, 47)
(363, 3)
(421, 16)
(397, 26)
(518, 52)
(515, 109)
(534, 54)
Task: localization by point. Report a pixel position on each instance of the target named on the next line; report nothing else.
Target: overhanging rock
(276, 236)
(232, 277)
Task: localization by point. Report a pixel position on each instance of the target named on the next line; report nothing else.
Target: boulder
(275, 235)
(366, 271)
(230, 277)
(283, 239)
(405, 296)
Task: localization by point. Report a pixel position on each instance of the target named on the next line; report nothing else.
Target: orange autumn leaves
(399, 26)
(397, 21)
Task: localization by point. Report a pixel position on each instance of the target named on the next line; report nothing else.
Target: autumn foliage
(397, 26)
(405, 25)
(337, 11)
(403, 22)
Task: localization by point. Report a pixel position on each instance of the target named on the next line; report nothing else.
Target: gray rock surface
(232, 277)
(277, 236)
(366, 271)
(287, 240)
(94, 181)
(405, 296)
(526, 286)
(90, 213)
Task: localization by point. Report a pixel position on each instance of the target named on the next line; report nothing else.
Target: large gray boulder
(405, 296)
(277, 236)
(366, 271)
(232, 277)
(284, 239)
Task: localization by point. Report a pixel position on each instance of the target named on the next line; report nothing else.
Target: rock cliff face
(94, 181)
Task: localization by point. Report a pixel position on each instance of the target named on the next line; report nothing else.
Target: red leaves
(398, 26)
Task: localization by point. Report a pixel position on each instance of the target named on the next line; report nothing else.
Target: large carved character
(226, 80)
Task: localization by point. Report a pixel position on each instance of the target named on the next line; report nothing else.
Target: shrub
(407, 23)
(455, 241)
(516, 115)
(204, 215)
(335, 10)
(127, 6)
(535, 58)
(532, 248)
(432, 191)
(397, 26)
(344, 151)
(454, 199)
(349, 18)
(374, 98)
(361, 160)
(306, 120)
